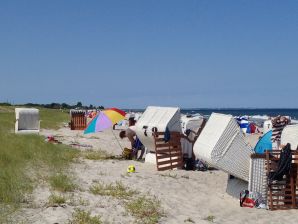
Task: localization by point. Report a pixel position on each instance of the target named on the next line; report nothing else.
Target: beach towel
(278, 124)
(284, 164)
(243, 123)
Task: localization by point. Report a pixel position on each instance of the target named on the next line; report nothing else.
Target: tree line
(79, 105)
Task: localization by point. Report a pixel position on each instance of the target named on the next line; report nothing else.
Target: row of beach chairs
(221, 144)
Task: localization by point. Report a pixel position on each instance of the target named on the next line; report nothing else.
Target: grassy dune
(53, 119)
(25, 159)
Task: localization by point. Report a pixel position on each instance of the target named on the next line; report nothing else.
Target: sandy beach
(206, 88)
(185, 196)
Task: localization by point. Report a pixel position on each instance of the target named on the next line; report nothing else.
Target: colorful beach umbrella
(104, 119)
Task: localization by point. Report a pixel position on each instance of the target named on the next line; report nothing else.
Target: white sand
(183, 194)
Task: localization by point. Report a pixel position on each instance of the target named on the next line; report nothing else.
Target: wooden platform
(282, 194)
(168, 154)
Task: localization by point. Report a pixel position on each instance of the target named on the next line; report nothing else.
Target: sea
(293, 113)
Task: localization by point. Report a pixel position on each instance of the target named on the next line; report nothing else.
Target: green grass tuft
(145, 210)
(117, 190)
(55, 199)
(63, 183)
(189, 220)
(210, 218)
(83, 217)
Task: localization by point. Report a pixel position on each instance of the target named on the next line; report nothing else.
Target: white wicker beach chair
(27, 121)
(194, 124)
(157, 119)
(222, 144)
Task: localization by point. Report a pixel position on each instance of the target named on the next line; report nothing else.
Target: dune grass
(209, 218)
(26, 158)
(83, 217)
(61, 182)
(53, 119)
(146, 210)
(56, 199)
(117, 190)
(50, 118)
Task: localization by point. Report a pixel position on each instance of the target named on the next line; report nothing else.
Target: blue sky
(131, 54)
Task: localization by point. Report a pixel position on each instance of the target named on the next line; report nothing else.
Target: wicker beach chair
(222, 144)
(78, 120)
(27, 121)
(157, 119)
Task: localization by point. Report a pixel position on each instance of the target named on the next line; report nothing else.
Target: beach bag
(247, 199)
(200, 165)
(126, 153)
(189, 164)
(252, 199)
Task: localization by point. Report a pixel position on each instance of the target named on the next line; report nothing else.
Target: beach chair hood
(157, 119)
(222, 144)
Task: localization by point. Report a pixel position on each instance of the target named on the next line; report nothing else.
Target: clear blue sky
(131, 54)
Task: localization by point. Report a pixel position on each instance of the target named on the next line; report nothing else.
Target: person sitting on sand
(136, 144)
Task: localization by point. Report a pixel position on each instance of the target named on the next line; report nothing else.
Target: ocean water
(293, 113)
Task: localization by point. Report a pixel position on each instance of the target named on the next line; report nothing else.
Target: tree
(55, 105)
(79, 104)
(65, 105)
